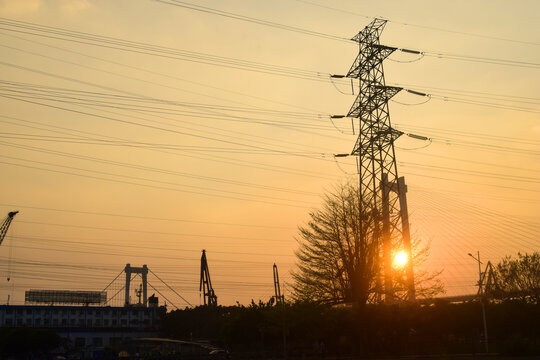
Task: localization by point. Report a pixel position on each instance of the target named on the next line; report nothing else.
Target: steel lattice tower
(374, 148)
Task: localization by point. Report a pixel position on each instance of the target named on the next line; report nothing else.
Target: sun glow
(400, 259)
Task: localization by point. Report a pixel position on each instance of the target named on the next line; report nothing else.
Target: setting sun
(400, 259)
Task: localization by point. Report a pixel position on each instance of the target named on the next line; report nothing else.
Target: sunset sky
(141, 132)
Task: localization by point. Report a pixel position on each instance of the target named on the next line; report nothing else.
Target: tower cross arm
(368, 104)
(371, 56)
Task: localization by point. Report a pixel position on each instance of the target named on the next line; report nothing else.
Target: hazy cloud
(73, 7)
(16, 7)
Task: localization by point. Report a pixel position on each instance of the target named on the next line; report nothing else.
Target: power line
(473, 182)
(147, 185)
(438, 54)
(219, 116)
(482, 174)
(146, 256)
(197, 111)
(108, 61)
(159, 170)
(469, 134)
(72, 211)
(135, 101)
(231, 15)
(153, 127)
(125, 230)
(470, 195)
(214, 158)
(110, 243)
(478, 94)
(478, 162)
(467, 100)
(482, 59)
(101, 116)
(159, 51)
(491, 37)
(110, 268)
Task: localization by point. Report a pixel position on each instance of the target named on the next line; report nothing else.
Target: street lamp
(481, 293)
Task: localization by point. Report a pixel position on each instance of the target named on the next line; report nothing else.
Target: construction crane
(5, 225)
(3, 231)
(279, 299)
(205, 286)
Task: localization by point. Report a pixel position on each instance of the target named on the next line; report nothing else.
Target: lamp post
(481, 293)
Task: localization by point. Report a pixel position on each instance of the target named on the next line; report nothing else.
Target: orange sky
(232, 161)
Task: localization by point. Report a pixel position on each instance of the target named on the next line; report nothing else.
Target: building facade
(86, 325)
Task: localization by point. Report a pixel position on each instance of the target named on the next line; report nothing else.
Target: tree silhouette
(338, 256)
(519, 278)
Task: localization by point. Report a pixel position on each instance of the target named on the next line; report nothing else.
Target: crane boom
(277, 289)
(210, 298)
(5, 225)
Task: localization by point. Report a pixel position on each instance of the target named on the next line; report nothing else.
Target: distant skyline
(144, 131)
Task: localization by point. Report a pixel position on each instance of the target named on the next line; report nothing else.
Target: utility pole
(374, 147)
(482, 299)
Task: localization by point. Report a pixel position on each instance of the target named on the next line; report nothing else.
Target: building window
(97, 341)
(80, 342)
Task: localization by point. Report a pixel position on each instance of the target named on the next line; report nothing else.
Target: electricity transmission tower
(379, 188)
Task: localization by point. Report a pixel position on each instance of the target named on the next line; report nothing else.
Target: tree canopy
(337, 258)
(338, 255)
(517, 278)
